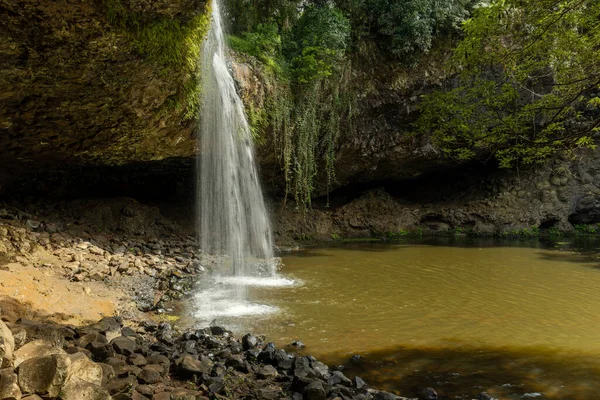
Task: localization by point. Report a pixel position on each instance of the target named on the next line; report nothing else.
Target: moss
(173, 46)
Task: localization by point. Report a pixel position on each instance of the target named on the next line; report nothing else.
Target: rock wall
(558, 195)
(75, 91)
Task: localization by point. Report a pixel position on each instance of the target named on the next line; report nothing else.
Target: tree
(528, 83)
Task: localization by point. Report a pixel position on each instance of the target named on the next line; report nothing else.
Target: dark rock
(160, 360)
(322, 371)
(283, 360)
(299, 383)
(428, 394)
(43, 375)
(338, 378)
(266, 372)
(217, 330)
(121, 385)
(91, 337)
(357, 358)
(145, 390)
(100, 351)
(124, 345)
(150, 326)
(127, 331)
(150, 374)
(182, 394)
(484, 396)
(384, 396)
(137, 360)
(315, 391)
(129, 370)
(236, 362)
(188, 366)
(108, 372)
(162, 396)
(249, 342)
(299, 344)
(359, 383)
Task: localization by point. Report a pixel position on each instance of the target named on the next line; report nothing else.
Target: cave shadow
(464, 372)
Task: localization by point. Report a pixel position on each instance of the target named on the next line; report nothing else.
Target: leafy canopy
(528, 84)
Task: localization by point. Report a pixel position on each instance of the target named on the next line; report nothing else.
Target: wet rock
(36, 348)
(385, 396)
(322, 371)
(428, 394)
(9, 386)
(249, 342)
(359, 383)
(7, 344)
(124, 345)
(43, 375)
(299, 344)
(484, 396)
(283, 360)
(315, 391)
(338, 378)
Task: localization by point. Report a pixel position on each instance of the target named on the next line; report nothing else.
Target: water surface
(510, 319)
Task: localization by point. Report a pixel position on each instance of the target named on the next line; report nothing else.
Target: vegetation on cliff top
(306, 49)
(528, 83)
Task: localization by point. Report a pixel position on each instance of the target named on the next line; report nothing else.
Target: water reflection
(462, 315)
(462, 373)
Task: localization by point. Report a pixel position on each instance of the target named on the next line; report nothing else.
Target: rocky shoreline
(146, 360)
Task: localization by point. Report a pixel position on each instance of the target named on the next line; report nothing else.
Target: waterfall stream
(232, 218)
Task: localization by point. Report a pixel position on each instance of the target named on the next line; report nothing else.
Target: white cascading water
(232, 218)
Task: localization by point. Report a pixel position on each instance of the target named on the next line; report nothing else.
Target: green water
(507, 318)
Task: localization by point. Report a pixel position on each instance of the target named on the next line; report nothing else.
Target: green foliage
(586, 229)
(172, 45)
(555, 232)
(405, 28)
(318, 42)
(336, 236)
(522, 233)
(264, 43)
(528, 83)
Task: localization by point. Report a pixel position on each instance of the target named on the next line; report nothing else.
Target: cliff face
(84, 111)
(74, 89)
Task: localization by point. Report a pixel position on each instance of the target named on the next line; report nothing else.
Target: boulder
(9, 386)
(7, 344)
(124, 345)
(315, 391)
(81, 390)
(84, 369)
(43, 375)
(188, 365)
(36, 348)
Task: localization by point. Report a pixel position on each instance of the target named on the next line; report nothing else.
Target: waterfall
(232, 217)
